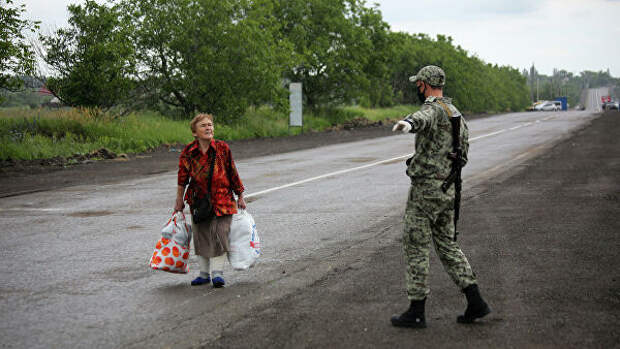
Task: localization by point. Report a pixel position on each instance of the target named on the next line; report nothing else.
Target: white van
(547, 106)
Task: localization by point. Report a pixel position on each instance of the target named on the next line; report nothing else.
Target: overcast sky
(575, 35)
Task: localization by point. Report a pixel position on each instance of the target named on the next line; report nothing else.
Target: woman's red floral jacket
(195, 165)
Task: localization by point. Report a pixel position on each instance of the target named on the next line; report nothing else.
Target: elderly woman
(211, 235)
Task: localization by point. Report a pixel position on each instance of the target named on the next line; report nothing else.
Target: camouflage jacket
(434, 139)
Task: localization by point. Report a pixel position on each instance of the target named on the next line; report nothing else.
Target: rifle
(457, 165)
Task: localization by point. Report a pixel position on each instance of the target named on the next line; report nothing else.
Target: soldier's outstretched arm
(420, 120)
(402, 125)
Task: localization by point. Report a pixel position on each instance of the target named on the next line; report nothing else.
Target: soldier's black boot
(476, 306)
(413, 317)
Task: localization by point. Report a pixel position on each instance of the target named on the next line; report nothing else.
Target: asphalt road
(543, 240)
(76, 259)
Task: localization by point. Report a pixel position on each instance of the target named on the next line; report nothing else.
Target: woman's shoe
(200, 281)
(218, 282)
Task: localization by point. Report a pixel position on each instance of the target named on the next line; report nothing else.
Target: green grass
(27, 134)
(393, 113)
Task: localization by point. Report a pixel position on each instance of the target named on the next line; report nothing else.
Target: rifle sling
(455, 145)
(455, 173)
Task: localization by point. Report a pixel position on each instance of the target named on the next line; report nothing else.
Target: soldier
(430, 211)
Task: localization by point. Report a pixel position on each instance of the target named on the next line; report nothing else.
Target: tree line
(223, 56)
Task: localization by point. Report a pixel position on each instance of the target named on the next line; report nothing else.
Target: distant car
(547, 106)
(580, 107)
(538, 107)
(558, 104)
(610, 105)
(533, 106)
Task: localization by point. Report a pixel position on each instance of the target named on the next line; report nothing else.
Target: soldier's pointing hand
(403, 126)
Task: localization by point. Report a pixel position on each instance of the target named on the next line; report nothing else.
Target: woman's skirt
(211, 236)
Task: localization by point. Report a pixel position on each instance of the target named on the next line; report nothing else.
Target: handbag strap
(211, 166)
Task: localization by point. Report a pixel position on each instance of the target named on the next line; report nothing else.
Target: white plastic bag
(170, 256)
(177, 229)
(244, 241)
(171, 252)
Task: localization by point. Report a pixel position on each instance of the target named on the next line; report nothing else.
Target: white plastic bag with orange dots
(170, 256)
(243, 241)
(172, 250)
(177, 229)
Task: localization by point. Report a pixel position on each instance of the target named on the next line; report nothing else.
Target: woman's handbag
(202, 208)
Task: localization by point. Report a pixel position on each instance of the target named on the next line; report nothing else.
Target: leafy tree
(16, 56)
(532, 82)
(369, 22)
(475, 85)
(93, 59)
(334, 42)
(216, 56)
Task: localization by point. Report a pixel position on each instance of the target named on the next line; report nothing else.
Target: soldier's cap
(431, 74)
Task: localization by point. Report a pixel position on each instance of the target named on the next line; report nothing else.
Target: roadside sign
(295, 103)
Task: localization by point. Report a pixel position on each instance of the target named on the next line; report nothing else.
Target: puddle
(272, 174)
(361, 159)
(251, 199)
(125, 274)
(90, 214)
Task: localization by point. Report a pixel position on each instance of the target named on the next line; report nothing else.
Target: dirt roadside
(543, 241)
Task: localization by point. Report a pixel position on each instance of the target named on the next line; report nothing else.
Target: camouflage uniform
(430, 211)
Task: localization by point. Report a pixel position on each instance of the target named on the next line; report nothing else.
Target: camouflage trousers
(429, 215)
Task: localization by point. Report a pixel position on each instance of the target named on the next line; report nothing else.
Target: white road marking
(328, 175)
(382, 161)
(331, 174)
(487, 135)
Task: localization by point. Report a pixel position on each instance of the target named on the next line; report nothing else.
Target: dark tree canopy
(16, 56)
(93, 59)
(223, 56)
